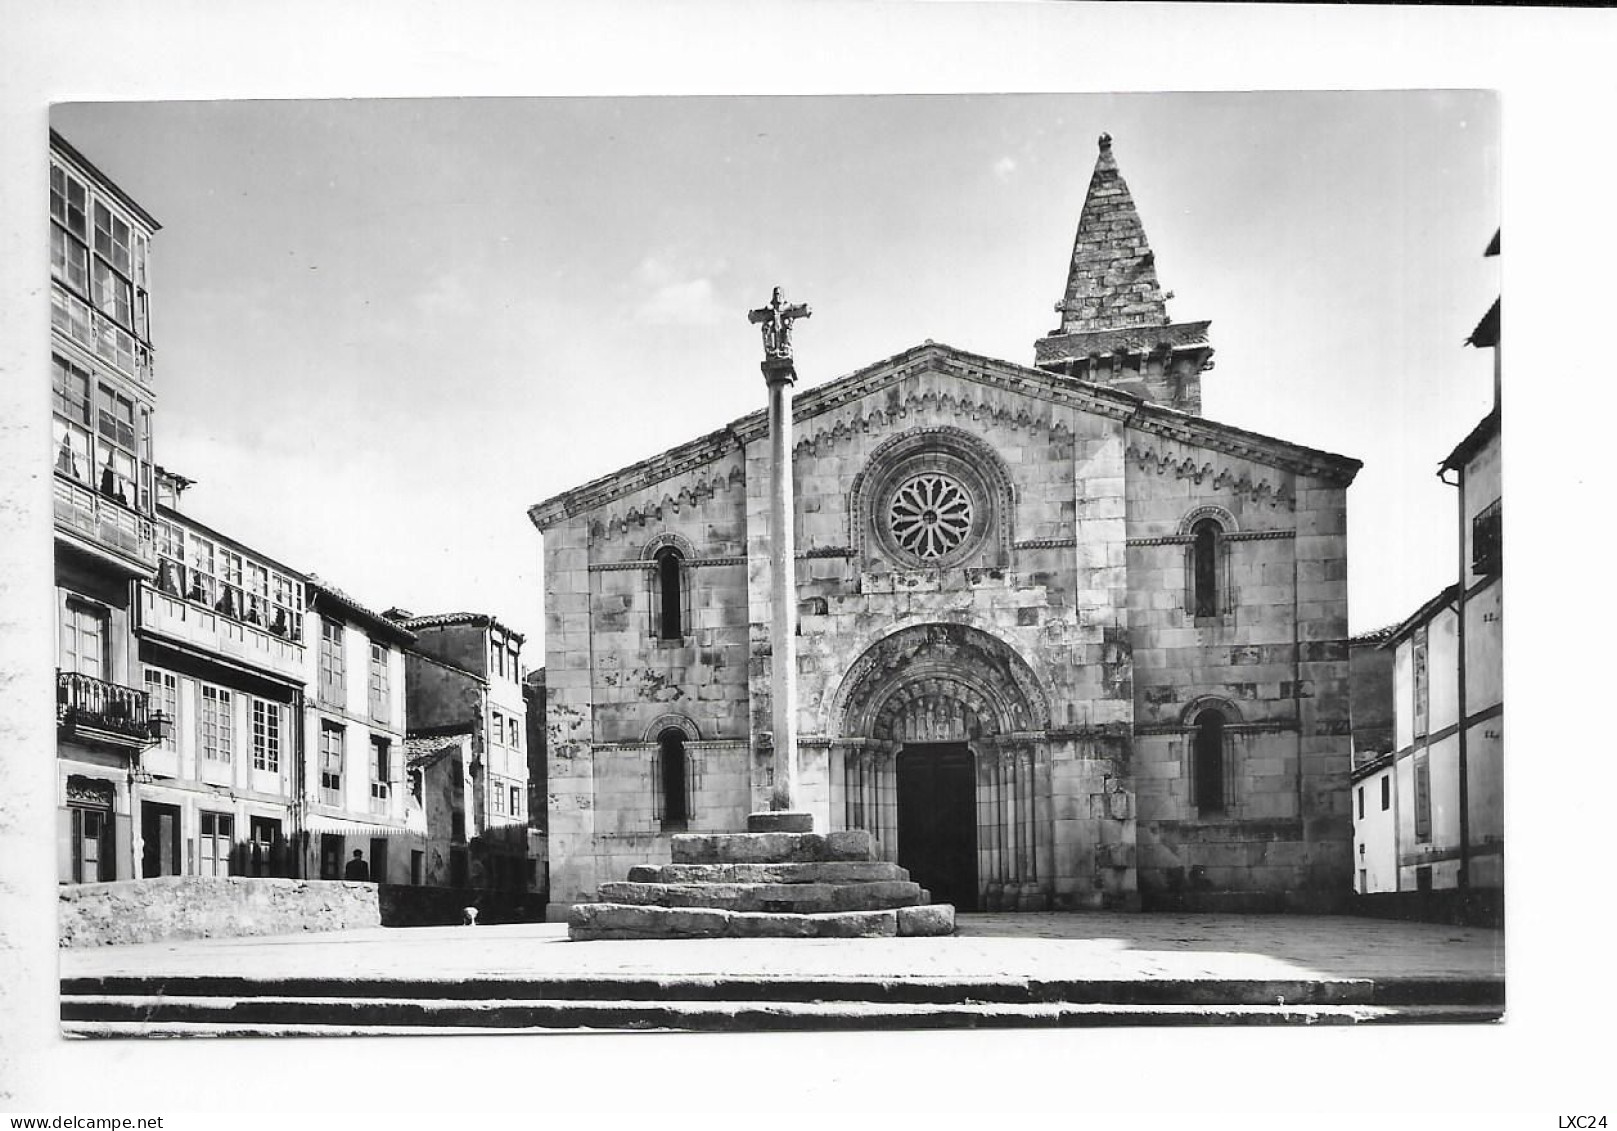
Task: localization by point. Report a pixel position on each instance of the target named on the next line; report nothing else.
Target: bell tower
(1114, 327)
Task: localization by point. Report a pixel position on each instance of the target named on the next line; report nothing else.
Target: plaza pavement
(1077, 947)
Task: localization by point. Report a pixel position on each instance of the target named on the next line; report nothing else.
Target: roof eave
(318, 593)
(1485, 430)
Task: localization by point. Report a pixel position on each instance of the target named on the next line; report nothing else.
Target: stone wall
(1273, 658)
(196, 907)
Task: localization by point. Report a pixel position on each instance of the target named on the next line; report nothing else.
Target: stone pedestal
(767, 883)
(780, 822)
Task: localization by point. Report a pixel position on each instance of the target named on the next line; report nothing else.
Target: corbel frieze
(1162, 456)
(689, 495)
(921, 402)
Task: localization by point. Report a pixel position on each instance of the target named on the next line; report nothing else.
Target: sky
(385, 328)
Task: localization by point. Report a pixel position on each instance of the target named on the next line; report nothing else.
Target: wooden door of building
(937, 820)
(160, 839)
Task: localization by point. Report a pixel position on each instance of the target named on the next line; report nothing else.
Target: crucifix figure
(777, 319)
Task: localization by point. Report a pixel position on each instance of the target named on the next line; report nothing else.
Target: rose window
(930, 516)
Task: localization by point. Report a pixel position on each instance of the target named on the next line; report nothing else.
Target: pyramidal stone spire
(1115, 328)
(1113, 278)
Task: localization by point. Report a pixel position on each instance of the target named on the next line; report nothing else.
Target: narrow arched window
(670, 594)
(672, 779)
(1204, 568)
(1208, 744)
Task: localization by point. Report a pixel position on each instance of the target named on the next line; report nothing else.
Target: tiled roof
(318, 587)
(1467, 448)
(1375, 635)
(420, 752)
(1486, 335)
(1422, 615)
(476, 620)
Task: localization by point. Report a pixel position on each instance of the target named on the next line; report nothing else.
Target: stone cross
(777, 319)
(780, 374)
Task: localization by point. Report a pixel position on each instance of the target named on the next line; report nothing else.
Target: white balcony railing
(196, 624)
(105, 521)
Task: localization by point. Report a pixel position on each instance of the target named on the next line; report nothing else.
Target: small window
(1423, 800)
(673, 780)
(1361, 809)
(1208, 743)
(1204, 554)
(1386, 793)
(266, 719)
(331, 760)
(217, 725)
(162, 689)
(381, 775)
(1418, 681)
(331, 661)
(84, 639)
(1487, 558)
(380, 693)
(670, 594)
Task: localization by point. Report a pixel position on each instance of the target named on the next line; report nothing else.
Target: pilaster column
(781, 376)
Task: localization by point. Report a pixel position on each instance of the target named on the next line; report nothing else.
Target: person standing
(357, 869)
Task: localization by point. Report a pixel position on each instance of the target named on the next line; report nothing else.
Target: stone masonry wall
(613, 682)
(203, 907)
(1275, 659)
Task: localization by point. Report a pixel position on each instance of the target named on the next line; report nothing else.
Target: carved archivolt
(938, 682)
(669, 538)
(663, 723)
(1224, 518)
(1162, 456)
(1196, 706)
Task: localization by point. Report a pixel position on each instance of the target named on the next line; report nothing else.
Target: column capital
(778, 371)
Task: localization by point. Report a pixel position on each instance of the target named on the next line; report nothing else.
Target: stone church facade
(1063, 642)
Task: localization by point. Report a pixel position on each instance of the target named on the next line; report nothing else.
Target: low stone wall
(201, 907)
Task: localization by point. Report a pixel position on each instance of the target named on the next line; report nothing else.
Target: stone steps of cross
(772, 847)
(589, 921)
(165, 1015)
(824, 872)
(800, 898)
(889, 989)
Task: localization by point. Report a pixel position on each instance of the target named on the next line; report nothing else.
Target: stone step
(624, 921)
(1480, 993)
(796, 898)
(137, 1016)
(772, 848)
(829, 872)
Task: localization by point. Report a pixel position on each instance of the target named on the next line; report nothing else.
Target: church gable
(1113, 630)
(930, 385)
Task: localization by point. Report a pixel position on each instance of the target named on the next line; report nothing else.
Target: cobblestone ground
(1047, 946)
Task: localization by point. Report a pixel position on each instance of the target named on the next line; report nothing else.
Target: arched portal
(942, 757)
